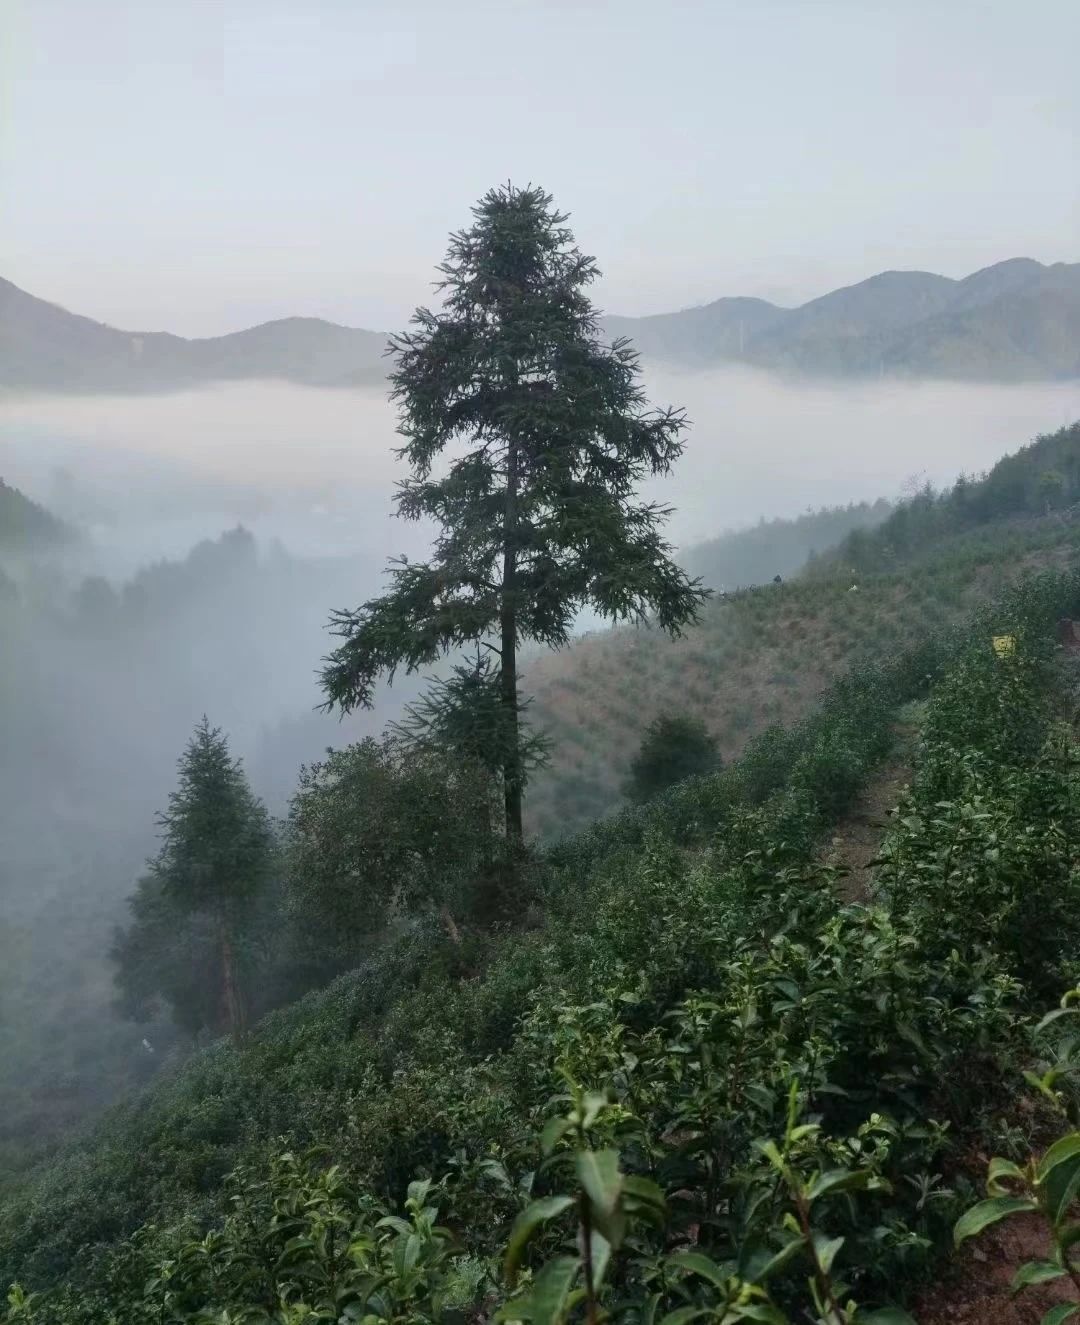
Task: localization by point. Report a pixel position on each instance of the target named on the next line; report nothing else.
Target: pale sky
(201, 165)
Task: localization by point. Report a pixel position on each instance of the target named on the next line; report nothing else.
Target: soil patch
(977, 1289)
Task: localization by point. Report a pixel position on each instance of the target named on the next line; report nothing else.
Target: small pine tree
(197, 901)
(538, 509)
(674, 747)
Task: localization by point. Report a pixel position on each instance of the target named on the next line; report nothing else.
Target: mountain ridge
(1017, 320)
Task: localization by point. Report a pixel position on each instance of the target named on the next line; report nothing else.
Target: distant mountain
(43, 346)
(1018, 320)
(1014, 321)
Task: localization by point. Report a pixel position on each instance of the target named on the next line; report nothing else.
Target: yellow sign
(1004, 645)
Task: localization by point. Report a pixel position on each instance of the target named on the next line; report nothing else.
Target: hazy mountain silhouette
(1013, 321)
(1017, 320)
(44, 346)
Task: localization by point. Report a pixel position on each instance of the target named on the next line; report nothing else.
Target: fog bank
(316, 467)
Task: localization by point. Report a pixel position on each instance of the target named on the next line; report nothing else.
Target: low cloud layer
(316, 468)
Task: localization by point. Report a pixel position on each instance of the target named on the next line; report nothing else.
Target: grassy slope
(757, 659)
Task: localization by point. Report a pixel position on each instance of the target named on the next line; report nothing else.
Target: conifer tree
(196, 902)
(528, 438)
(675, 746)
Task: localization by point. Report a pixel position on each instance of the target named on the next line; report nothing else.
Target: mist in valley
(217, 529)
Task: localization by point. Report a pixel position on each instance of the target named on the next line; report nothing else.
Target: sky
(201, 165)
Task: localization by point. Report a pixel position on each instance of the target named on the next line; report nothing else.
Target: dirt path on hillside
(858, 835)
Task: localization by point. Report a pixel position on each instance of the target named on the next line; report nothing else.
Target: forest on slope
(662, 1064)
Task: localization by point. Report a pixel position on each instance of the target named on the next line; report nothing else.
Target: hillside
(757, 554)
(25, 526)
(766, 656)
(44, 347)
(874, 1044)
(1018, 320)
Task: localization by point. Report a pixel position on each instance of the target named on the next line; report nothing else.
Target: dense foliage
(757, 1095)
(1036, 480)
(381, 829)
(674, 747)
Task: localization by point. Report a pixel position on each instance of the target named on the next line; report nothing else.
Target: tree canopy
(675, 746)
(196, 903)
(527, 437)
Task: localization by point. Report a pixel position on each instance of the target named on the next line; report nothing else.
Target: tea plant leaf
(694, 1262)
(1057, 1315)
(549, 1296)
(1059, 1175)
(526, 1224)
(984, 1214)
(554, 1130)
(826, 1250)
(683, 1315)
(1000, 1169)
(598, 1172)
(838, 1180)
(777, 1262)
(1065, 1148)
(1035, 1272)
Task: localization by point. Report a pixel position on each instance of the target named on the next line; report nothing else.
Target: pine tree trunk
(234, 1008)
(512, 790)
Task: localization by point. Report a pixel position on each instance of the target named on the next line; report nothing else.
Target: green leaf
(838, 1180)
(683, 1315)
(526, 1224)
(554, 1130)
(1053, 1016)
(772, 1154)
(826, 1250)
(988, 1212)
(546, 1301)
(601, 1250)
(594, 1106)
(1065, 1148)
(645, 1192)
(779, 1260)
(598, 1172)
(1057, 1315)
(1059, 1176)
(612, 1224)
(648, 1312)
(1035, 1272)
(395, 1222)
(1068, 1236)
(999, 1170)
(884, 1316)
(694, 1262)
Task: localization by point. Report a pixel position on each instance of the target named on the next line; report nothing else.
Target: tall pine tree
(541, 434)
(195, 905)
